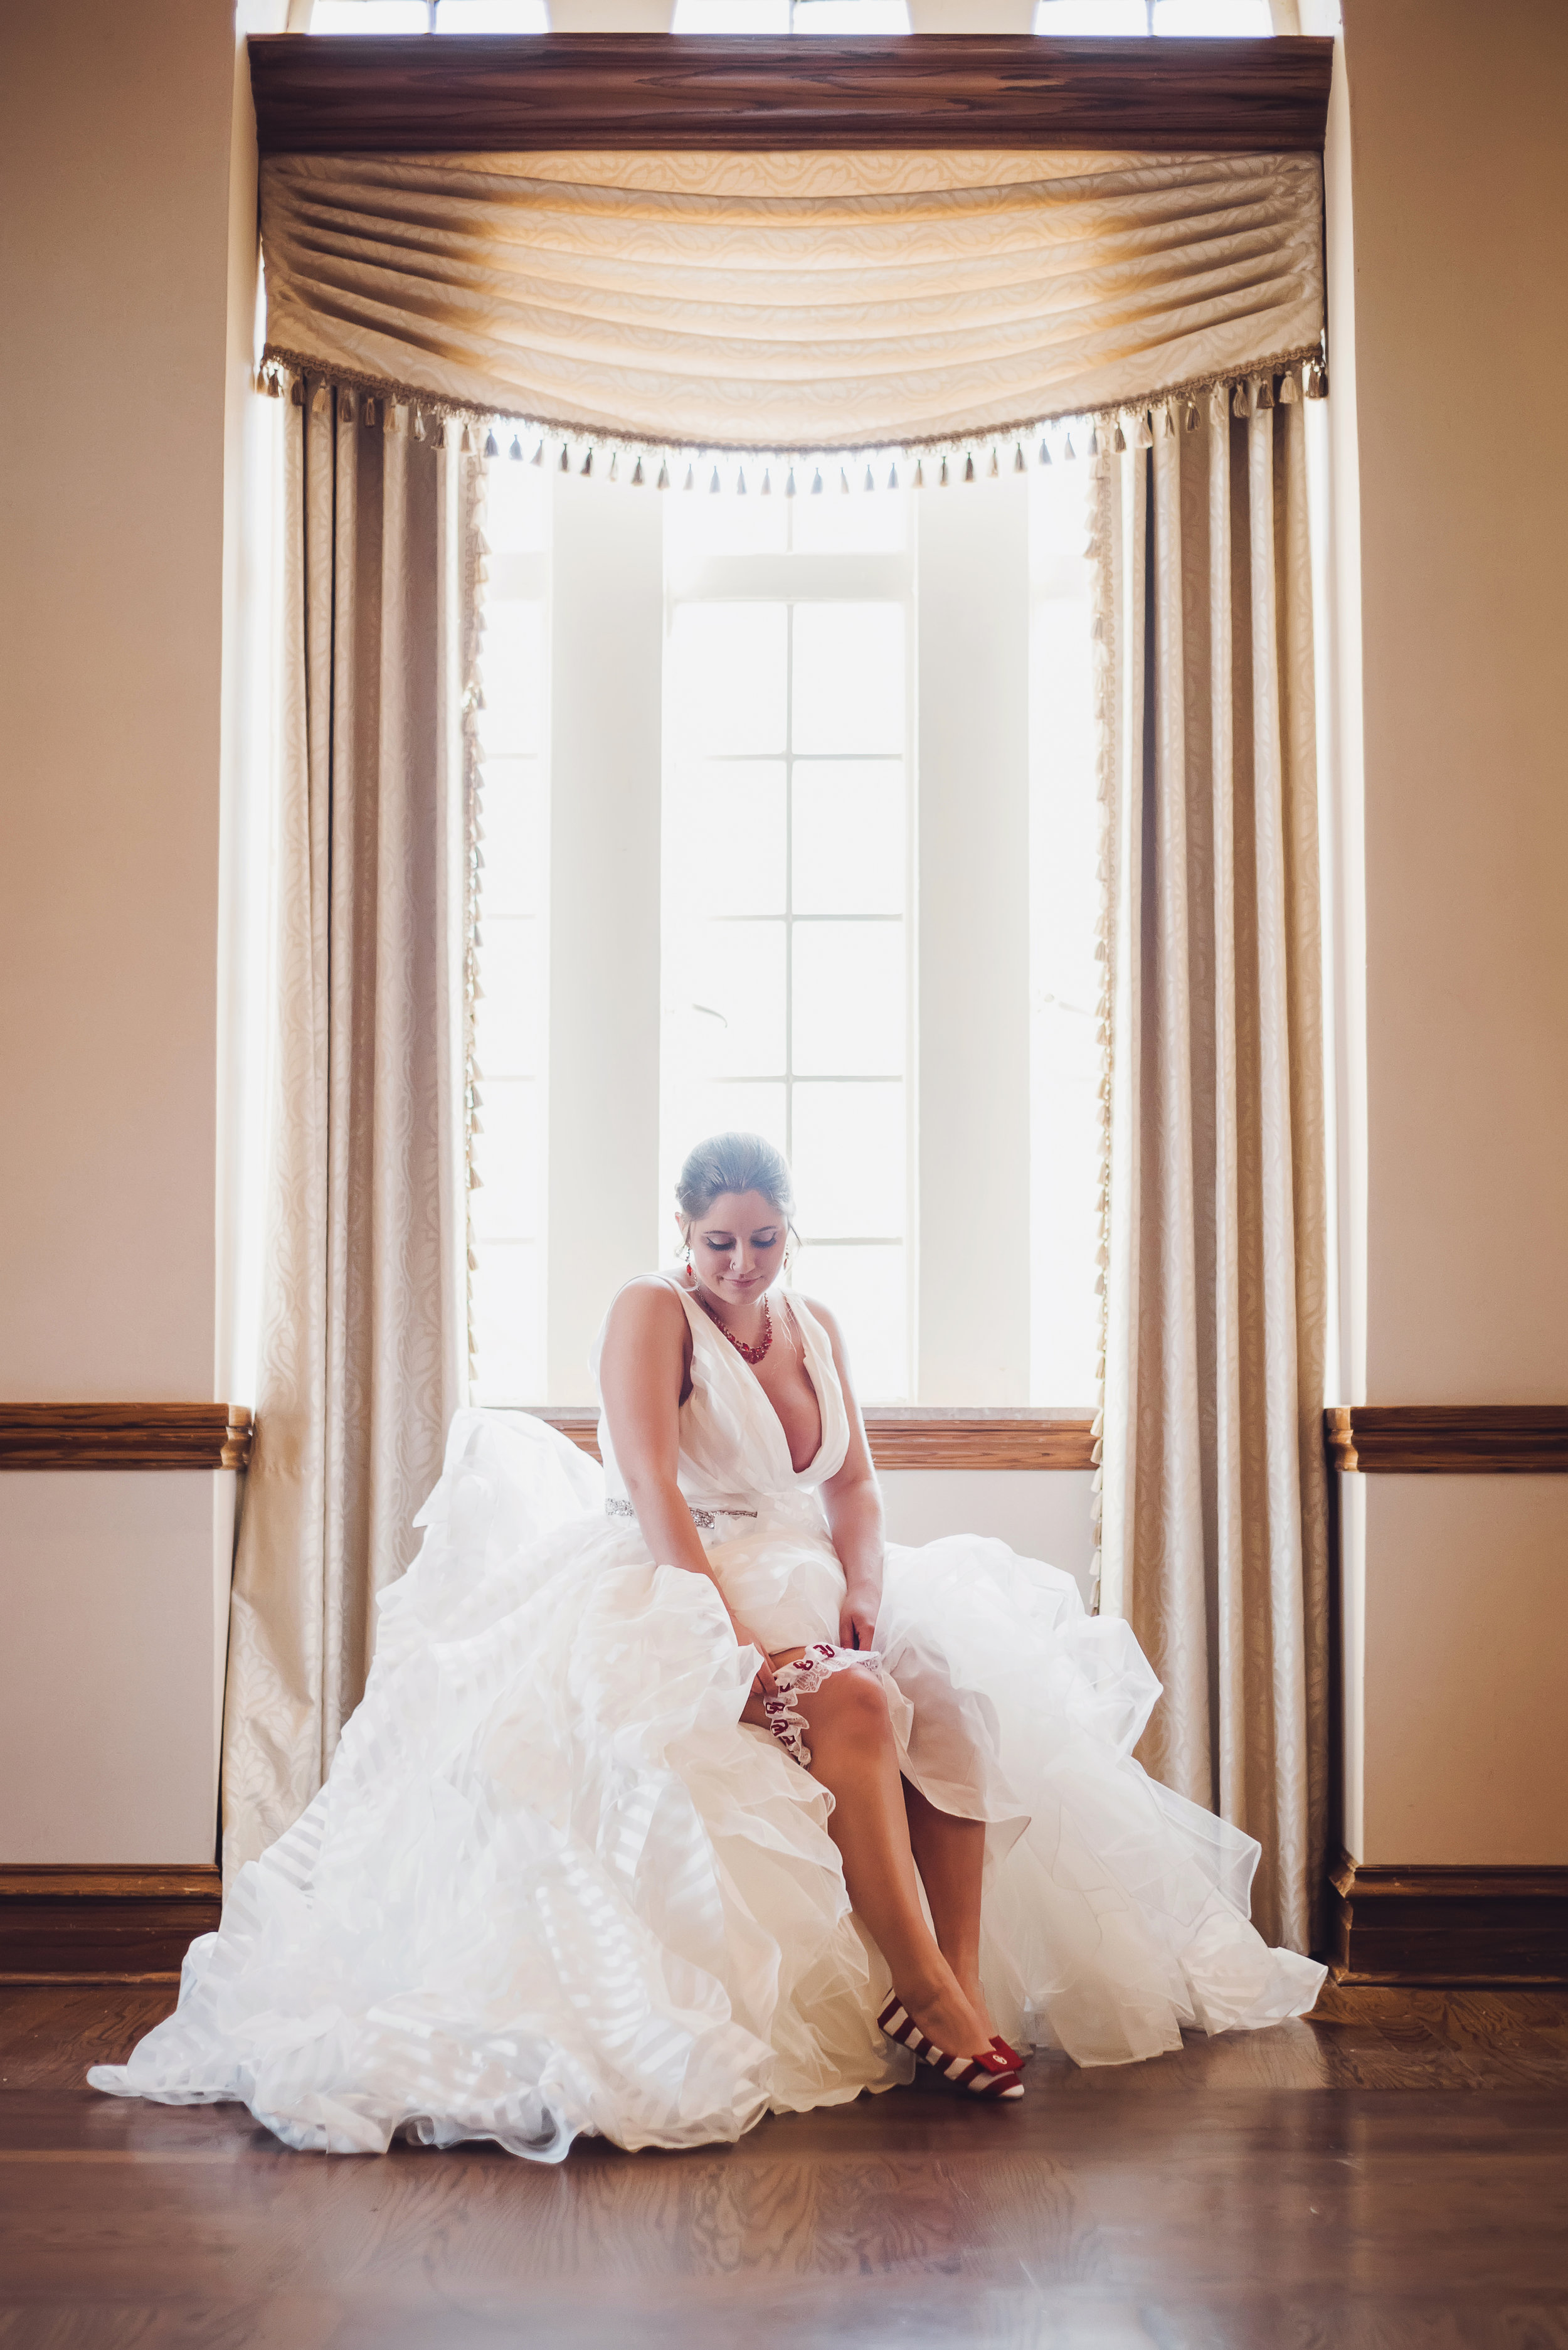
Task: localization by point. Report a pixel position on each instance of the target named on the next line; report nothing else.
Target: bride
(678, 1797)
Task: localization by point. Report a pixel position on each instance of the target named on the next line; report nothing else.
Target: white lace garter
(804, 1679)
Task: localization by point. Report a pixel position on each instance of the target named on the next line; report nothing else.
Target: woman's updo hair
(733, 1163)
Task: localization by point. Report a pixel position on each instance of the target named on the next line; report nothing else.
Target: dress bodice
(734, 1454)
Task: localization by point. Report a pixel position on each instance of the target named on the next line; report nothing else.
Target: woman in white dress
(677, 1796)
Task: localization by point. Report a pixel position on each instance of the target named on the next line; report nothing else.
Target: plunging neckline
(750, 1370)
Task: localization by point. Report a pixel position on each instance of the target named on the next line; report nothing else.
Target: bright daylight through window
(874, 938)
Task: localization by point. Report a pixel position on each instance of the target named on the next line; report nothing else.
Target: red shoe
(980, 2077)
(1009, 2054)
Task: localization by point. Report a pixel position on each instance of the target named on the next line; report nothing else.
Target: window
(850, 730)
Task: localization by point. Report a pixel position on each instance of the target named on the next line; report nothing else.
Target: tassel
(1192, 416)
(870, 479)
(345, 409)
(1094, 440)
(1018, 464)
(319, 403)
(663, 480)
(1068, 452)
(994, 471)
(515, 452)
(566, 459)
(893, 476)
(539, 456)
(942, 476)
(969, 468)
(274, 386)
(1119, 440)
(767, 482)
(691, 481)
(789, 484)
(389, 412)
(1168, 427)
(470, 441)
(714, 485)
(636, 475)
(919, 473)
(1239, 400)
(419, 424)
(1144, 437)
(1290, 388)
(1045, 452)
(368, 413)
(1317, 381)
(490, 448)
(843, 481)
(587, 467)
(740, 480)
(297, 393)
(1265, 395)
(816, 484)
(615, 463)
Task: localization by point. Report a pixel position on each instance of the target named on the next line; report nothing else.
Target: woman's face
(737, 1246)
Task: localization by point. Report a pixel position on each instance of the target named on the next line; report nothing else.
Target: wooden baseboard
(103, 1925)
(1456, 1925)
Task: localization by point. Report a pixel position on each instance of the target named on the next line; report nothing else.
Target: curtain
(364, 1344)
(1214, 1500)
(793, 300)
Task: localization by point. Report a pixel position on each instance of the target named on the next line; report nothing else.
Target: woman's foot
(983, 2073)
(945, 2014)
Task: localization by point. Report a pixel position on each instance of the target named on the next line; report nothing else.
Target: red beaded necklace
(752, 1354)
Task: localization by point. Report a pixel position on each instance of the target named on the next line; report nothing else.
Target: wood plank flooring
(1393, 2172)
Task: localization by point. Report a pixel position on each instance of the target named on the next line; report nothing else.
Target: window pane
(1233, 20)
(851, 16)
(509, 1020)
(492, 17)
(517, 504)
(509, 1322)
(1091, 16)
(726, 818)
(516, 880)
(370, 17)
(848, 999)
(724, 999)
(516, 681)
(866, 522)
(509, 1203)
(850, 1160)
(700, 525)
(849, 677)
(730, 17)
(728, 667)
(848, 825)
(863, 1288)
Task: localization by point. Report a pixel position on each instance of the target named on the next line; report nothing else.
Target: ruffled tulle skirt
(554, 1885)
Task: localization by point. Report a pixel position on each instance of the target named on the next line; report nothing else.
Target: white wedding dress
(555, 1884)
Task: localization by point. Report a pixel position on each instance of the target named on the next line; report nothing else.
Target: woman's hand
(764, 1685)
(857, 1616)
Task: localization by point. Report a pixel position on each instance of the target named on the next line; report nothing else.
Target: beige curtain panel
(792, 301)
(1214, 1504)
(364, 1340)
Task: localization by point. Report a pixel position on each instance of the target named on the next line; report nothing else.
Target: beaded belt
(616, 1507)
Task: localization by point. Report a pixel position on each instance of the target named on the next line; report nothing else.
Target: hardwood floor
(1393, 2172)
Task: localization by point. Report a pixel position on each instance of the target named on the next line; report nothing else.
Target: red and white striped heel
(990, 2075)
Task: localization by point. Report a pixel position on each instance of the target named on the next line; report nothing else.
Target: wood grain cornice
(124, 1436)
(1422, 1924)
(1447, 1439)
(103, 1925)
(354, 95)
(909, 1438)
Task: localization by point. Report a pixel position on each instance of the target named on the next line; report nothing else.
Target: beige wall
(116, 286)
(1457, 143)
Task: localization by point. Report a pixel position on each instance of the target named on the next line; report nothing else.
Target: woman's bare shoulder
(646, 1306)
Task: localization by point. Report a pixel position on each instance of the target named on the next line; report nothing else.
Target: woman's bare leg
(949, 1853)
(854, 1755)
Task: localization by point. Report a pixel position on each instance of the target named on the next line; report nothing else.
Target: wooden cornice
(124, 1436)
(910, 1438)
(358, 95)
(1447, 1439)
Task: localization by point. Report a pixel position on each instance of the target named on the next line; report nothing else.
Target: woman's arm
(853, 1500)
(642, 1370)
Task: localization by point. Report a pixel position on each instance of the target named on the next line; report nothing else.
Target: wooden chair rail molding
(358, 94)
(103, 1925)
(125, 1436)
(916, 1438)
(1448, 1440)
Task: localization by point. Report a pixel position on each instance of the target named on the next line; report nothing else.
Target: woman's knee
(854, 1706)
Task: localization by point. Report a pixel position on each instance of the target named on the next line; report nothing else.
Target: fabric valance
(800, 301)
